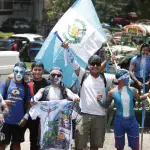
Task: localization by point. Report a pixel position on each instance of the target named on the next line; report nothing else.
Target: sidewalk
(108, 145)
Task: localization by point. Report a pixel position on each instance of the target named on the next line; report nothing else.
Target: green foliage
(57, 8)
(5, 35)
(106, 9)
(28, 64)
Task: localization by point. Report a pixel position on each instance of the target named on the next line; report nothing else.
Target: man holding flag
(92, 118)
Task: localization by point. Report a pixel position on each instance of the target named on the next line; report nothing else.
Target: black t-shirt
(40, 84)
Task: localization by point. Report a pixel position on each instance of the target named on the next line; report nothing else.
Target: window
(39, 39)
(36, 45)
(6, 5)
(23, 1)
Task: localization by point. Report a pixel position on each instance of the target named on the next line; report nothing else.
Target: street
(108, 145)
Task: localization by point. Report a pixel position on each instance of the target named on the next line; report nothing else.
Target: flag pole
(143, 109)
(107, 71)
(116, 66)
(112, 105)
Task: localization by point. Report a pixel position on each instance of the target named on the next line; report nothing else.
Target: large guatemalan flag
(79, 26)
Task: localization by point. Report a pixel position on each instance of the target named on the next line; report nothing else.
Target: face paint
(19, 73)
(55, 76)
(126, 81)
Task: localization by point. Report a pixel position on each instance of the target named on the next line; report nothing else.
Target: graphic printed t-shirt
(55, 117)
(15, 93)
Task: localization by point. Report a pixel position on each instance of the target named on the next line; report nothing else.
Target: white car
(36, 41)
(7, 62)
(27, 36)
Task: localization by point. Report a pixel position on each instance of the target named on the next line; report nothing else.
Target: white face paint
(19, 73)
(55, 76)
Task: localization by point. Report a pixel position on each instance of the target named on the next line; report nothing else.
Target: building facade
(28, 9)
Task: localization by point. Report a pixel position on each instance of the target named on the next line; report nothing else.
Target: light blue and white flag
(80, 27)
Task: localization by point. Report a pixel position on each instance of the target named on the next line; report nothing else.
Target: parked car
(16, 25)
(35, 43)
(6, 44)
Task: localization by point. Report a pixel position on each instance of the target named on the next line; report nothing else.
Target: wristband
(101, 102)
(26, 116)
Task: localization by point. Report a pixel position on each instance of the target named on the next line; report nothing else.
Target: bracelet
(101, 102)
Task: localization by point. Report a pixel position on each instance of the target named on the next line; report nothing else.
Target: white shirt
(55, 94)
(90, 89)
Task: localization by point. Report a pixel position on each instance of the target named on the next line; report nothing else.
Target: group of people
(19, 94)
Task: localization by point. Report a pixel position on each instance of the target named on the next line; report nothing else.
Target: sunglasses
(94, 63)
(58, 75)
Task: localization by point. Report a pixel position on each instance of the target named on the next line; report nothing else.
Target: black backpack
(46, 91)
(85, 75)
(25, 90)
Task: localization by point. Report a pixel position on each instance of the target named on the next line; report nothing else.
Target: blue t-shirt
(138, 66)
(15, 93)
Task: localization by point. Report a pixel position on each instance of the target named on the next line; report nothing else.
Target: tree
(56, 8)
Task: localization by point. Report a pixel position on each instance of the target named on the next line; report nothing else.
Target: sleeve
(38, 95)
(109, 78)
(2, 88)
(133, 60)
(34, 112)
(71, 95)
(81, 73)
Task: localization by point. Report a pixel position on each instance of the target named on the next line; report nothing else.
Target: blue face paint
(126, 81)
(19, 73)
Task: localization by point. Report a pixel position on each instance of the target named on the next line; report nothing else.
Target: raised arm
(73, 62)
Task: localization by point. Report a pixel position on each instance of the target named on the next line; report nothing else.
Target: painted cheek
(126, 81)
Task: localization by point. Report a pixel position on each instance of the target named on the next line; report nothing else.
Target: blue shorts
(129, 126)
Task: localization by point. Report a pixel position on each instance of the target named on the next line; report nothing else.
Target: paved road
(108, 145)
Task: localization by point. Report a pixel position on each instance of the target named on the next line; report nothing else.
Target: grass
(28, 64)
(5, 35)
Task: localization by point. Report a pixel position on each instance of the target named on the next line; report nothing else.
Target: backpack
(85, 75)
(46, 91)
(25, 90)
